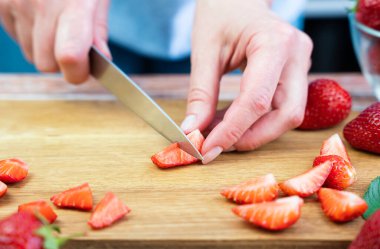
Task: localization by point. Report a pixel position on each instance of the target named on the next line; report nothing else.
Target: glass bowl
(366, 43)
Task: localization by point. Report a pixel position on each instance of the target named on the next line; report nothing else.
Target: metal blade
(129, 93)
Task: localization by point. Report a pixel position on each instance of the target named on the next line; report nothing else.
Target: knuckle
(259, 104)
(284, 36)
(198, 94)
(306, 42)
(295, 119)
(233, 134)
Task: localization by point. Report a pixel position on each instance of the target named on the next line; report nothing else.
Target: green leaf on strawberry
(372, 197)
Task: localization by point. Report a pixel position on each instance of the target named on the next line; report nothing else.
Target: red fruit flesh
(78, 198)
(342, 174)
(363, 132)
(341, 206)
(3, 189)
(108, 210)
(369, 236)
(173, 155)
(274, 215)
(13, 170)
(41, 207)
(334, 146)
(261, 189)
(307, 183)
(328, 104)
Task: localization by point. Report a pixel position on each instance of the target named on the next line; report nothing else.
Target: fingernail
(212, 154)
(188, 123)
(105, 49)
(232, 148)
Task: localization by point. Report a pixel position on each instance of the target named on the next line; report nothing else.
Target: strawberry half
(3, 189)
(13, 170)
(41, 207)
(307, 183)
(334, 146)
(261, 189)
(274, 215)
(78, 198)
(342, 174)
(363, 132)
(108, 210)
(369, 236)
(328, 104)
(173, 155)
(341, 206)
(368, 13)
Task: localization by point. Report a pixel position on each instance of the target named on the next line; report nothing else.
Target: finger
(44, 38)
(258, 85)
(101, 28)
(7, 19)
(75, 32)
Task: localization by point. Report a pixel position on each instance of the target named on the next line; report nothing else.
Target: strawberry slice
(341, 206)
(342, 174)
(78, 198)
(173, 156)
(307, 183)
(261, 189)
(41, 207)
(274, 215)
(107, 211)
(334, 146)
(13, 170)
(3, 189)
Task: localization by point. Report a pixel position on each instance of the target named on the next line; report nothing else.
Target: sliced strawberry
(78, 198)
(261, 189)
(3, 189)
(307, 183)
(274, 215)
(13, 170)
(342, 174)
(334, 146)
(341, 206)
(41, 207)
(173, 156)
(107, 211)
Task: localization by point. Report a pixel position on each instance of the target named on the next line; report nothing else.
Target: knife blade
(131, 95)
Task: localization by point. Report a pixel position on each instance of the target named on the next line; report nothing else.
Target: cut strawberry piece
(3, 189)
(307, 183)
(334, 146)
(41, 207)
(107, 211)
(369, 236)
(173, 156)
(261, 189)
(342, 174)
(78, 198)
(341, 206)
(13, 170)
(274, 215)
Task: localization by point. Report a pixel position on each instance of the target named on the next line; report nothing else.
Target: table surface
(71, 134)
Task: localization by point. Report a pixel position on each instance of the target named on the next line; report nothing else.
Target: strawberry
(3, 189)
(274, 215)
(173, 156)
(41, 207)
(369, 236)
(368, 13)
(13, 170)
(363, 132)
(341, 206)
(261, 189)
(334, 146)
(342, 174)
(307, 183)
(107, 211)
(374, 56)
(328, 104)
(78, 198)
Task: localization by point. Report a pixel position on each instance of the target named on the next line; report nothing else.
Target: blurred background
(325, 21)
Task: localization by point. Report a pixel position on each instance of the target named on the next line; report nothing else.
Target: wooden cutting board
(67, 143)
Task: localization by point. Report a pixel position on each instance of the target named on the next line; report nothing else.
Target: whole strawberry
(369, 236)
(368, 13)
(374, 57)
(364, 131)
(328, 104)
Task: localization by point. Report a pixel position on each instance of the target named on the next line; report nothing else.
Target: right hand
(58, 34)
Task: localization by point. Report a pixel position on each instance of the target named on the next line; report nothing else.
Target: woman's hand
(230, 34)
(56, 34)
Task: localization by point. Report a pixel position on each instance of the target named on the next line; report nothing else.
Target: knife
(131, 95)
